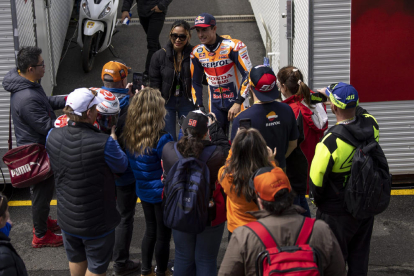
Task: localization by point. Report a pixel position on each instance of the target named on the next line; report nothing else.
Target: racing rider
(219, 58)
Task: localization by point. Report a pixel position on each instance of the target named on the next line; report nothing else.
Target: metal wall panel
(25, 23)
(301, 37)
(330, 39)
(396, 123)
(7, 62)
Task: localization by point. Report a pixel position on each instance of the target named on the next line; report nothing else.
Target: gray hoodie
(31, 110)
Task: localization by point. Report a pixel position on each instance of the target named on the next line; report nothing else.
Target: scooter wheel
(88, 57)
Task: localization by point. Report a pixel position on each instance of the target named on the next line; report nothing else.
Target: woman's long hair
(249, 153)
(293, 79)
(190, 144)
(144, 121)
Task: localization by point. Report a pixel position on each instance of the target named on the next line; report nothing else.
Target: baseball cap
(267, 181)
(116, 69)
(204, 20)
(342, 95)
(81, 99)
(263, 82)
(196, 119)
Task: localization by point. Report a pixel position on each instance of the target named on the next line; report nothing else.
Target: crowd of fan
(114, 145)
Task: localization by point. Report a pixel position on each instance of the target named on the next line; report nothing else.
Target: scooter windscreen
(106, 121)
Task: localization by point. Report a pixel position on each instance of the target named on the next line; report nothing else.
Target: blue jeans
(196, 254)
(302, 202)
(180, 105)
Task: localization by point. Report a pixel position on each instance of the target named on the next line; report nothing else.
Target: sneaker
(49, 239)
(126, 269)
(52, 224)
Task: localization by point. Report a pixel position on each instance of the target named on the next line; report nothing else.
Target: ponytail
(190, 145)
(293, 79)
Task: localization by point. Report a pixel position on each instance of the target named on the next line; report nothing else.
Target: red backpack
(296, 260)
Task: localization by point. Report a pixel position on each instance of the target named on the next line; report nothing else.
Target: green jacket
(331, 165)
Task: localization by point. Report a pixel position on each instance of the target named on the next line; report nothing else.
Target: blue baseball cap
(204, 20)
(342, 95)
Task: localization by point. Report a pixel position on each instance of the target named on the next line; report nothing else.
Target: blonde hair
(76, 118)
(144, 121)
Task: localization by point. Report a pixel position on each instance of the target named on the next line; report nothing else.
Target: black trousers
(354, 237)
(126, 200)
(157, 236)
(41, 194)
(152, 26)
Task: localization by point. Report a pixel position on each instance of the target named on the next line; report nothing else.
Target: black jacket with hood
(162, 73)
(10, 262)
(31, 110)
(145, 6)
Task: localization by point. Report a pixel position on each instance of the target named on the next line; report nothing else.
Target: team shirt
(220, 64)
(277, 124)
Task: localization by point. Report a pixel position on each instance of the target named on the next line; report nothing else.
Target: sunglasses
(181, 37)
(41, 64)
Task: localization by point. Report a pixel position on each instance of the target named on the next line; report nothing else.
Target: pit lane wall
(41, 23)
(321, 48)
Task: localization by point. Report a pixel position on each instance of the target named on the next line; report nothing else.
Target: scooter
(97, 20)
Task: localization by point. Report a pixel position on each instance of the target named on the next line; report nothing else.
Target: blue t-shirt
(6, 229)
(277, 124)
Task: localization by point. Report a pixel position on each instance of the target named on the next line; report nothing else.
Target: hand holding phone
(137, 82)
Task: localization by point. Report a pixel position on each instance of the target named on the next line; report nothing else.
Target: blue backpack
(187, 193)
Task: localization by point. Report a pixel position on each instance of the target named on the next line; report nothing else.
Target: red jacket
(312, 123)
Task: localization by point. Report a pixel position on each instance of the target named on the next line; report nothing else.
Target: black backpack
(368, 189)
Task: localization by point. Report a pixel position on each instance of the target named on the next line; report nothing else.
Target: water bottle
(266, 61)
(126, 20)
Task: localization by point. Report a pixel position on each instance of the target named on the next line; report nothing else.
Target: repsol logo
(20, 170)
(216, 63)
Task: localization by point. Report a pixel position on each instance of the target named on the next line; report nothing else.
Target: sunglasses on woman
(181, 37)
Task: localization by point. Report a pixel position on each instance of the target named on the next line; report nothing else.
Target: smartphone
(318, 97)
(245, 123)
(137, 81)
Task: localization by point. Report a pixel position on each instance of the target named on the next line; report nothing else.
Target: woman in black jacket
(10, 262)
(170, 73)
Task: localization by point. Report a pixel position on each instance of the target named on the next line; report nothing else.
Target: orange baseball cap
(267, 181)
(116, 69)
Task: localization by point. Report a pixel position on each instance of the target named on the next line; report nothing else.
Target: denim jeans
(126, 201)
(302, 202)
(196, 254)
(180, 105)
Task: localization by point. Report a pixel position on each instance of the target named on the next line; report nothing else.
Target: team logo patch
(202, 55)
(107, 95)
(109, 71)
(192, 122)
(239, 46)
(224, 47)
(122, 74)
(222, 57)
(199, 20)
(212, 54)
(204, 60)
(266, 88)
(199, 50)
(271, 116)
(221, 89)
(224, 52)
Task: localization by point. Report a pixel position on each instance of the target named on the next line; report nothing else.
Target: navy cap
(342, 95)
(204, 20)
(263, 82)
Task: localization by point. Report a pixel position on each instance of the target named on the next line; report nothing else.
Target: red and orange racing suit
(220, 65)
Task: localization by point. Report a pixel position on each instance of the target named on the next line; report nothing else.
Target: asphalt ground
(392, 242)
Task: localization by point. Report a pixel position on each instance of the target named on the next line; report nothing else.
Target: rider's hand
(233, 111)
(156, 9)
(125, 14)
(113, 135)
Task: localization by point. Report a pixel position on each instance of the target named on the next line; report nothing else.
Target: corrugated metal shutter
(396, 122)
(25, 23)
(7, 62)
(330, 38)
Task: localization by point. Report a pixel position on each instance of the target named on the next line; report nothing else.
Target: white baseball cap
(81, 99)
